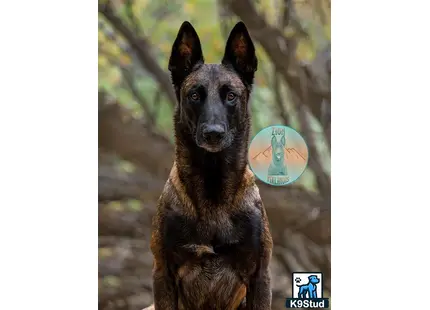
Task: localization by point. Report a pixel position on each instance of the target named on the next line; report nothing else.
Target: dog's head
(313, 279)
(213, 98)
(278, 149)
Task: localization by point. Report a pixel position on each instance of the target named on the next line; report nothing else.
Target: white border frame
(48, 158)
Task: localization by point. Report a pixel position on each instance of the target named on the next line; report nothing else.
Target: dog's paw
(199, 249)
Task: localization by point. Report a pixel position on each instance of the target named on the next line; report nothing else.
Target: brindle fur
(211, 240)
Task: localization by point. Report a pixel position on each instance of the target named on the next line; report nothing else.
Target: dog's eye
(194, 96)
(231, 96)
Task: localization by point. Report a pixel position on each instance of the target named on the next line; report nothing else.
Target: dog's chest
(213, 228)
(216, 227)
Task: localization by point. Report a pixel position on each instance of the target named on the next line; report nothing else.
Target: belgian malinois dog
(210, 236)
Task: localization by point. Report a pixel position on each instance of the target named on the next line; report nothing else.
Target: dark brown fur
(211, 240)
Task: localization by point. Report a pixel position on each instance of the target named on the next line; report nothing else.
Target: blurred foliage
(159, 21)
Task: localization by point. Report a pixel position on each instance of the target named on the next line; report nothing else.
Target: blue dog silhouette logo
(308, 290)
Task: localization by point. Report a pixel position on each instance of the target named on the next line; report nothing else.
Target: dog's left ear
(186, 53)
(240, 53)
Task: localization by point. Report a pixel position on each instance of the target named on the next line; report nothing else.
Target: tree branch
(142, 48)
(157, 105)
(276, 82)
(290, 18)
(129, 81)
(320, 11)
(134, 141)
(279, 49)
(315, 160)
(133, 20)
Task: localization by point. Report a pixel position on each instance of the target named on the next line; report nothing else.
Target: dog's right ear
(240, 53)
(186, 53)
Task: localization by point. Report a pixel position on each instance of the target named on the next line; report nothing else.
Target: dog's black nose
(213, 133)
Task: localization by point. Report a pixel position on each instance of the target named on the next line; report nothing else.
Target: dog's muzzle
(213, 138)
(213, 134)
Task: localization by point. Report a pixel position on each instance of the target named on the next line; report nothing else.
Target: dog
(277, 166)
(309, 290)
(210, 235)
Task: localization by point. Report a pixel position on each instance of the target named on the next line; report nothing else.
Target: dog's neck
(212, 178)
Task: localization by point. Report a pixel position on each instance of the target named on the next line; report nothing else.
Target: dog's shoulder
(174, 197)
(248, 194)
(174, 209)
(250, 202)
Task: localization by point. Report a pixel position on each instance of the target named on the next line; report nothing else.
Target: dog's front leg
(259, 294)
(165, 295)
(164, 288)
